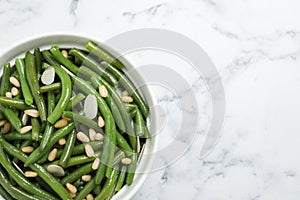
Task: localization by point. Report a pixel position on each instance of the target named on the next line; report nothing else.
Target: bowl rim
(19, 47)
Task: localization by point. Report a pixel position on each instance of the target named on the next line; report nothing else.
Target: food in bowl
(73, 125)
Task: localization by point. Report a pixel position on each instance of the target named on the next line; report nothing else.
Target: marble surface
(254, 44)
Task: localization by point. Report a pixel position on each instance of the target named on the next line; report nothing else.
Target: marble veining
(254, 44)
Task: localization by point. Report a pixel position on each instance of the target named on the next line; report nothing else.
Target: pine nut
(103, 91)
(89, 197)
(68, 119)
(52, 155)
(30, 174)
(126, 161)
(125, 93)
(89, 151)
(56, 170)
(61, 123)
(127, 99)
(82, 137)
(24, 119)
(96, 164)
(8, 94)
(32, 112)
(101, 122)
(2, 122)
(7, 127)
(28, 149)
(14, 81)
(64, 53)
(62, 141)
(14, 91)
(86, 178)
(92, 134)
(99, 137)
(25, 129)
(71, 188)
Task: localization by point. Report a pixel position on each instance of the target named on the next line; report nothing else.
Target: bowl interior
(71, 40)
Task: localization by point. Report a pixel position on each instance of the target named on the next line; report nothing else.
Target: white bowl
(68, 40)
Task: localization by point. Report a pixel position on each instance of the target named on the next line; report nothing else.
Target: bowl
(68, 40)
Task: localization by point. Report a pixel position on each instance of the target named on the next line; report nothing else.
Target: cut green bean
(20, 65)
(86, 190)
(85, 169)
(101, 53)
(38, 62)
(35, 128)
(64, 159)
(5, 84)
(11, 117)
(51, 87)
(15, 103)
(121, 178)
(17, 136)
(109, 185)
(49, 58)
(31, 77)
(131, 169)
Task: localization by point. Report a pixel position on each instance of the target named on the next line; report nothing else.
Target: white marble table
(255, 45)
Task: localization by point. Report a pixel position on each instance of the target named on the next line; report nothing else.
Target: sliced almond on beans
(48, 76)
(90, 106)
(61, 123)
(14, 81)
(30, 174)
(8, 95)
(2, 122)
(86, 178)
(89, 150)
(64, 53)
(71, 188)
(101, 122)
(14, 91)
(126, 161)
(62, 141)
(99, 137)
(96, 164)
(25, 129)
(127, 99)
(32, 112)
(56, 170)
(28, 149)
(82, 137)
(7, 127)
(92, 134)
(52, 155)
(103, 91)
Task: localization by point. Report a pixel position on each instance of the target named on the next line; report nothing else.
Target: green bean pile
(52, 144)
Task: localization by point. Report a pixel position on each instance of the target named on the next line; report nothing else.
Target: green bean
(20, 179)
(38, 153)
(77, 160)
(86, 190)
(101, 53)
(129, 87)
(43, 173)
(15, 103)
(85, 169)
(4, 194)
(139, 124)
(51, 87)
(65, 95)
(109, 185)
(75, 100)
(5, 84)
(121, 178)
(110, 133)
(97, 190)
(132, 113)
(17, 136)
(49, 58)
(116, 113)
(31, 76)
(130, 107)
(122, 143)
(11, 117)
(38, 62)
(62, 60)
(64, 159)
(94, 65)
(20, 65)
(35, 128)
(49, 127)
(131, 169)
(14, 192)
(83, 120)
